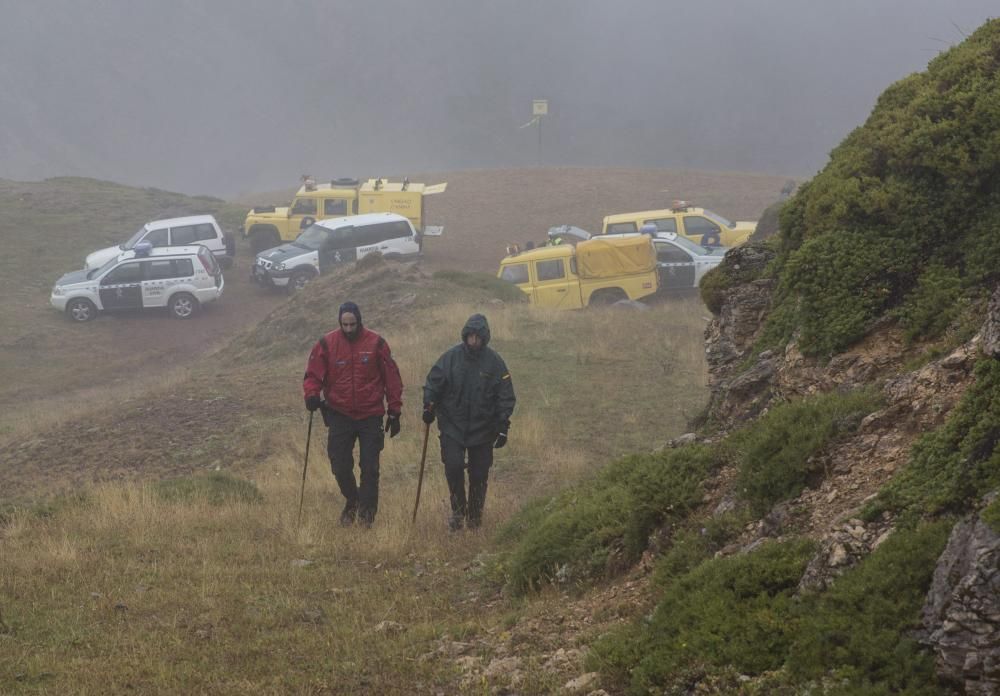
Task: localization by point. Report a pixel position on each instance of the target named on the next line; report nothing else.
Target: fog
(229, 97)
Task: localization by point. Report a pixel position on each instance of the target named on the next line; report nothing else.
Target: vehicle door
(121, 287)
(339, 247)
(336, 207)
(552, 288)
(301, 214)
(700, 230)
(517, 274)
(183, 235)
(158, 238)
(675, 265)
(159, 275)
(388, 238)
(206, 234)
(668, 225)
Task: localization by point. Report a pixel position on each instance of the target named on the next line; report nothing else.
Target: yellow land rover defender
(701, 226)
(601, 270)
(269, 226)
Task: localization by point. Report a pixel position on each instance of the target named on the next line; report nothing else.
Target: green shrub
(487, 282)
(955, 464)
(603, 525)
(713, 287)
(769, 222)
(841, 283)
(697, 543)
(740, 613)
(774, 453)
(736, 612)
(933, 305)
(858, 633)
(908, 203)
(216, 488)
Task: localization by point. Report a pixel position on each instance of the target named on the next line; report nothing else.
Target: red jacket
(354, 376)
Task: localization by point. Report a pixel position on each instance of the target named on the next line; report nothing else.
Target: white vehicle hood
(101, 257)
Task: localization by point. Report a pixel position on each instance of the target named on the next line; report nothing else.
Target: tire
(262, 238)
(81, 309)
(298, 280)
(183, 305)
(606, 296)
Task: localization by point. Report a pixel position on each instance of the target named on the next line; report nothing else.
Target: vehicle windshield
(107, 264)
(312, 238)
(719, 219)
(134, 239)
(690, 246)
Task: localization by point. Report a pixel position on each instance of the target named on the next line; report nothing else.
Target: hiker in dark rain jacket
(469, 391)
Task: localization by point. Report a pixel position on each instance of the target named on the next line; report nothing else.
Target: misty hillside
(789, 488)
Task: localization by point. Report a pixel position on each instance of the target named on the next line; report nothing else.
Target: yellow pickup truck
(268, 226)
(598, 271)
(701, 226)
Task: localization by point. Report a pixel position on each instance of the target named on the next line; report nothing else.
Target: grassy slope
(122, 589)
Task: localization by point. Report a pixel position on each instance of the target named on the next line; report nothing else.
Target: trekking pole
(305, 467)
(420, 479)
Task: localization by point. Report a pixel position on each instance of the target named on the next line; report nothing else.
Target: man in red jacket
(351, 376)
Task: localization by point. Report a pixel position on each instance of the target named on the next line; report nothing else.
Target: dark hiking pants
(361, 502)
(480, 459)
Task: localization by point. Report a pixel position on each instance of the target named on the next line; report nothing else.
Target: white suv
(327, 243)
(194, 229)
(178, 278)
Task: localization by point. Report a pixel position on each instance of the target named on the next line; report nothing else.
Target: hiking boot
(349, 515)
(366, 518)
(455, 523)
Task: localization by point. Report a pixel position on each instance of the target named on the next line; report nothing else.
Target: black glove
(502, 436)
(312, 403)
(428, 416)
(392, 425)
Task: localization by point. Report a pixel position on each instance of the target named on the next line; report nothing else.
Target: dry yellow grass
(125, 589)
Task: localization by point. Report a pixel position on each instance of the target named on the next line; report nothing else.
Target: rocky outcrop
(730, 336)
(961, 615)
(841, 550)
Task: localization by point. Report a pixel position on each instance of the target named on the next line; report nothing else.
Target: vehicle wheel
(183, 306)
(299, 280)
(81, 309)
(607, 296)
(264, 239)
(225, 261)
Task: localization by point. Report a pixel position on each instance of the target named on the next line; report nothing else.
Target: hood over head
(353, 309)
(476, 324)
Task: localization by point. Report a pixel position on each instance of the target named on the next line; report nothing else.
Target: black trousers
(480, 459)
(344, 432)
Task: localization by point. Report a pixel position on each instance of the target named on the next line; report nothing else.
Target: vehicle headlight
(278, 267)
(58, 291)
